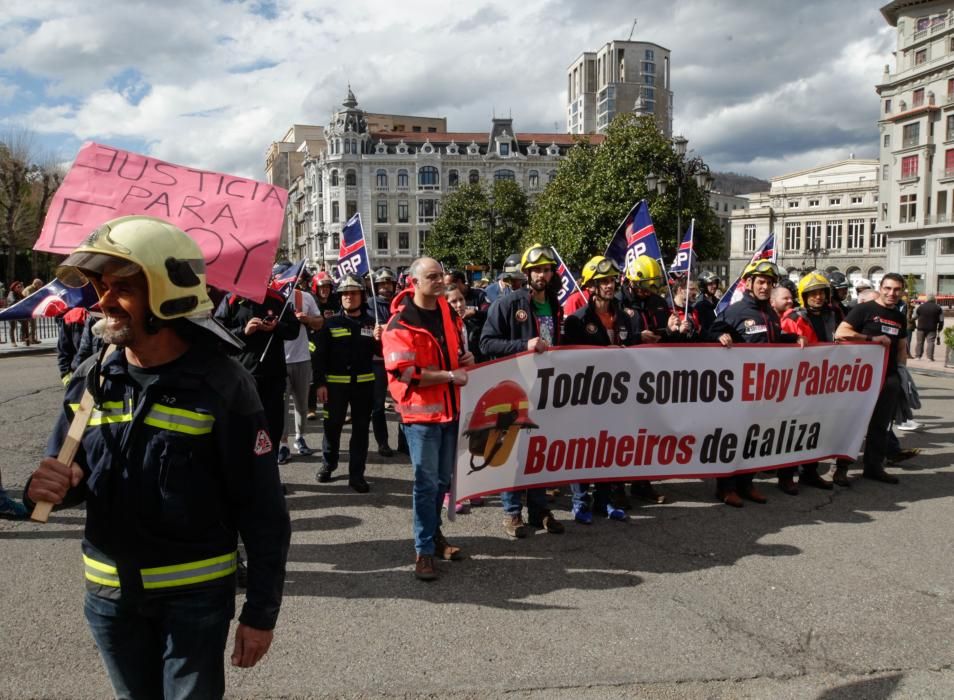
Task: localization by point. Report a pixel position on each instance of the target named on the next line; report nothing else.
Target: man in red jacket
(424, 358)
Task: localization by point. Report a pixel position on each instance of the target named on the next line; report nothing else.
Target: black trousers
(740, 483)
(271, 391)
(360, 397)
(876, 439)
(379, 421)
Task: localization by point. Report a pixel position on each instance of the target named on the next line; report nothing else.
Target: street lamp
(815, 251)
(322, 236)
(681, 172)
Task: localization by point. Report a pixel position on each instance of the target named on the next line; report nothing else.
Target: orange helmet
(499, 415)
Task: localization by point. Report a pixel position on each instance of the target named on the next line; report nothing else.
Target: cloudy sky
(762, 87)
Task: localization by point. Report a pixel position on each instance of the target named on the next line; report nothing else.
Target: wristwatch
(450, 377)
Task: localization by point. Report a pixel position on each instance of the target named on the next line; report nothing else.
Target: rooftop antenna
(633, 29)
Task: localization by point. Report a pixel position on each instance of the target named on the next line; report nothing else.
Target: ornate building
(397, 179)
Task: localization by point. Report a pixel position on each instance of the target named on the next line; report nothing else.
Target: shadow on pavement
(868, 689)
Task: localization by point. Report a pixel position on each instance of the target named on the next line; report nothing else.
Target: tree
(596, 186)
(27, 183)
(477, 225)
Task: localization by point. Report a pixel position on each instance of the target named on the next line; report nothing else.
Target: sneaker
(302, 447)
(908, 425)
(385, 450)
(515, 526)
(424, 568)
(324, 474)
(444, 549)
(583, 515)
(548, 522)
(616, 513)
(12, 510)
(462, 507)
(284, 454)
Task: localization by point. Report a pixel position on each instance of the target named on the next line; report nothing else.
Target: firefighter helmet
(598, 268)
(646, 272)
(350, 283)
(812, 282)
(761, 268)
(537, 255)
(838, 280)
(383, 274)
(492, 429)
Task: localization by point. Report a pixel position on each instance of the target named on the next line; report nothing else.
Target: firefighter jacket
(797, 321)
(511, 323)
(346, 347)
(410, 348)
(585, 328)
(693, 336)
(750, 321)
(652, 311)
(174, 472)
(235, 312)
(67, 344)
(705, 309)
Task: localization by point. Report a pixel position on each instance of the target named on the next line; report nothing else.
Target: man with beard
(175, 462)
(879, 321)
(601, 322)
(527, 319)
(750, 320)
(816, 321)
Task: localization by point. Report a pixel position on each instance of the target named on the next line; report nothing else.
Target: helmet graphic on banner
(492, 429)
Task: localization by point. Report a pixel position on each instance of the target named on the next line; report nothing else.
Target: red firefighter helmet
(492, 429)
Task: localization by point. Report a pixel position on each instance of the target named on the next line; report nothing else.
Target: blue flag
(731, 295)
(352, 251)
(285, 282)
(52, 299)
(686, 255)
(570, 296)
(635, 236)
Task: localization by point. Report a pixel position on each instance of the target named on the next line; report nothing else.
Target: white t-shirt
(297, 350)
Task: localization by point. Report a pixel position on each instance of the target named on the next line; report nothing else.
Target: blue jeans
(433, 448)
(581, 495)
(164, 647)
(536, 503)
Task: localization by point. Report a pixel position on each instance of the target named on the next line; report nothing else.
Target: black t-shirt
(821, 330)
(433, 323)
(871, 318)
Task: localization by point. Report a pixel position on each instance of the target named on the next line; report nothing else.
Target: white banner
(658, 411)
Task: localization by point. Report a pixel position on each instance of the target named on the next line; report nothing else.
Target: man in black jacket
(527, 320)
(601, 322)
(750, 320)
(174, 463)
(929, 322)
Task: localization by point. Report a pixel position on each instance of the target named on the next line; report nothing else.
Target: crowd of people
(185, 393)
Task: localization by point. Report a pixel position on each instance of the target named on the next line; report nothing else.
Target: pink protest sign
(237, 222)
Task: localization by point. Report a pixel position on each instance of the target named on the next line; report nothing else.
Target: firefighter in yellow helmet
(642, 295)
(175, 450)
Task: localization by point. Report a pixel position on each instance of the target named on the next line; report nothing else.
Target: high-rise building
(622, 76)
(916, 134)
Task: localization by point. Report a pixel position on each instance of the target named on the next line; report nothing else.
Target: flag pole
(692, 231)
(284, 309)
(374, 299)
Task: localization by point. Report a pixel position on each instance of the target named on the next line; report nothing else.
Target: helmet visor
(76, 270)
(607, 266)
(541, 253)
(765, 268)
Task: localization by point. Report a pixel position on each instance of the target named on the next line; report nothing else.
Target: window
(949, 162)
(945, 284)
(856, 234)
(941, 208)
(887, 106)
(453, 179)
(382, 211)
(381, 179)
(347, 146)
(813, 234)
(551, 176)
(416, 129)
(382, 241)
(813, 202)
(909, 167)
(334, 178)
(884, 172)
(404, 241)
(422, 240)
(650, 55)
(911, 134)
(792, 204)
(473, 177)
(945, 246)
(920, 56)
(887, 140)
(426, 210)
(917, 97)
(533, 179)
(793, 237)
(428, 178)
(949, 127)
(909, 208)
(914, 246)
(402, 179)
(857, 199)
(335, 212)
(351, 179)
(351, 208)
(749, 241)
(875, 237)
(504, 175)
(503, 149)
(834, 201)
(335, 240)
(402, 211)
(833, 235)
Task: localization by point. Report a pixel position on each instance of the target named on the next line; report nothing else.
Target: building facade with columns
(916, 132)
(824, 218)
(397, 179)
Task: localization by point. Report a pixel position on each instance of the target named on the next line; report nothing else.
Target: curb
(20, 352)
